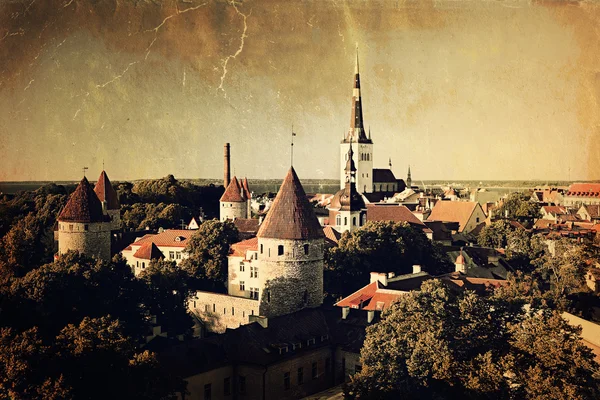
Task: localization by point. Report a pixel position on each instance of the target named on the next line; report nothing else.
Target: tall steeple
(350, 167)
(408, 178)
(357, 130)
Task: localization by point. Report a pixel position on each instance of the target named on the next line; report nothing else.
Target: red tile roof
(372, 297)
(239, 249)
(246, 225)
(247, 192)
(233, 193)
(106, 192)
(169, 238)
(584, 189)
(332, 234)
(396, 213)
(593, 210)
(453, 211)
(291, 216)
(149, 251)
(556, 210)
(83, 205)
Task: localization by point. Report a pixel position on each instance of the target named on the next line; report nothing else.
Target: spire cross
(84, 169)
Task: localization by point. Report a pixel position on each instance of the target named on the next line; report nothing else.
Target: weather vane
(292, 147)
(85, 169)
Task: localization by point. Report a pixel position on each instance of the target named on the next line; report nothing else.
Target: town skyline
(458, 91)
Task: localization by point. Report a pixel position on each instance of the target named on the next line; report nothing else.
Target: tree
(208, 249)
(167, 296)
(439, 344)
(379, 247)
(518, 205)
(524, 250)
(495, 235)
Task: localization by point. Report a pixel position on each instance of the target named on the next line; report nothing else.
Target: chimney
(227, 165)
(345, 312)
(416, 269)
(370, 316)
(379, 276)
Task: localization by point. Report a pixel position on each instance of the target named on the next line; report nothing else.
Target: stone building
(347, 210)
(169, 245)
(277, 273)
(110, 201)
(83, 226)
(235, 202)
(582, 193)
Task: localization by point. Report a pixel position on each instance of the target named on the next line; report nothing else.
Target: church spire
(350, 166)
(408, 178)
(357, 130)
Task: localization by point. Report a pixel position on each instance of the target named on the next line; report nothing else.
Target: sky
(460, 89)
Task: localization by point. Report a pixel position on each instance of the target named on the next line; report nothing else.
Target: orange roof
(584, 189)
(291, 216)
(372, 297)
(233, 193)
(543, 223)
(247, 192)
(332, 234)
(396, 213)
(239, 249)
(453, 211)
(106, 192)
(168, 238)
(149, 251)
(556, 210)
(83, 205)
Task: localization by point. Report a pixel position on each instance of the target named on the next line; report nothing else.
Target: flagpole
(292, 150)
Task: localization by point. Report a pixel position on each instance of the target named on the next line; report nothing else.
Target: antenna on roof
(84, 169)
(292, 148)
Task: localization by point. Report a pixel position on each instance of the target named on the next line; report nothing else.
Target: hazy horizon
(458, 90)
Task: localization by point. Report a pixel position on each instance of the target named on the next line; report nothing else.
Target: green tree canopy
(518, 205)
(439, 344)
(208, 249)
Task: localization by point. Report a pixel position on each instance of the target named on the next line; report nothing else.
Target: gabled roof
(453, 211)
(149, 251)
(383, 176)
(331, 234)
(233, 193)
(593, 210)
(291, 216)
(373, 297)
(239, 249)
(106, 192)
(246, 225)
(168, 238)
(83, 205)
(396, 213)
(555, 210)
(247, 193)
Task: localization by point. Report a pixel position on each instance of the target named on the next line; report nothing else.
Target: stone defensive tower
(235, 202)
(290, 252)
(110, 201)
(82, 225)
(363, 158)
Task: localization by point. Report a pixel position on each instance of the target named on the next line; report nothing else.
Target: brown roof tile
(239, 249)
(106, 192)
(396, 213)
(149, 251)
(246, 225)
(170, 237)
(291, 216)
(233, 193)
(453, 211)
(83, 205)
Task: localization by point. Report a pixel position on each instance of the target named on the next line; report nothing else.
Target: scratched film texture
(458, 89)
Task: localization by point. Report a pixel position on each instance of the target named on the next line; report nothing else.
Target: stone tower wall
(286, 279)
(115, 219)
(95, 241)
(233, 210)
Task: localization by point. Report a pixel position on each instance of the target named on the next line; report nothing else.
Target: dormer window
(179, 238)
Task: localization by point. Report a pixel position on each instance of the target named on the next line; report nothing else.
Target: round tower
(290, 253)
(82, 225)
(234, 202)
(109, 200)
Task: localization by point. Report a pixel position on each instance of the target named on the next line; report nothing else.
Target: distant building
(589, 213)
(235, 202)
(467, 213)
(582, 193)
(83, 225)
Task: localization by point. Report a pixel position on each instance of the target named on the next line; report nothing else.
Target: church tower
(290, 253)
(347, 209)
(83, 226)
(110, 201)
(363, 158)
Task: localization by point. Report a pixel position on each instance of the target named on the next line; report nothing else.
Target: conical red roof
(291, 216)
(105, 192)
(149, 251)
(83, 205)
(233, 193)
(246, 189)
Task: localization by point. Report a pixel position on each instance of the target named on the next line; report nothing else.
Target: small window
(315, 370)
(353, 221)
(171, 255)
(241, 267)
(261, 249)
(268, 296)
(305, 249)
(286, 381)
(70, 227)
(178, 255)
(280, 250)
(227, 386)
(345, 220)
(357, 368)
(338, 220)
(242, 384)
(242, 286)
(224, 311)
(477, 219)
(143, 265)
(232, 311)
(300, 376)
(206, 308)
(214, 307)
(207, 392)
(85, 227)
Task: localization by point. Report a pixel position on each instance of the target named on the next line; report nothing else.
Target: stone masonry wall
(95, 241)
(220, 311)
(293, 280)
(233, 210)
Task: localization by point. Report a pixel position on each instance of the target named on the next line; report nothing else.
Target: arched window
(345, 220)
(280, 250)
(305, 249)
(143, 265)
(261, 248)
(338, 220)
(353, 221)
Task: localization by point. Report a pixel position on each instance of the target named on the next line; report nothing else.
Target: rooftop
(83, 205)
